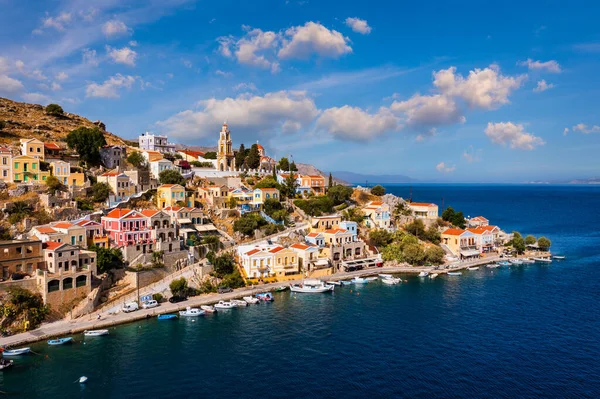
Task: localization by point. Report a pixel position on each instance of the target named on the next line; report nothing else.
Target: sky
(440, 91)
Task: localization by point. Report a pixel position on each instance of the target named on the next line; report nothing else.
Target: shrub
(340, 194)
(54, 110)
(435, 255)
(544, 243)
(87, 142)
(158, 297)
(100, 192)
(179, 287)
(171, 176)
(378, 190)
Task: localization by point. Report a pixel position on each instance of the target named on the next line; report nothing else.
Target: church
(225, 157)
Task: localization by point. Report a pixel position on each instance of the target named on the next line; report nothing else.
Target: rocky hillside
(307, 169)
(22, 120)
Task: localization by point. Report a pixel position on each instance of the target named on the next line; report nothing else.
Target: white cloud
(550, 66)
(484, 88)
(353, 123)
(250, 49)
(472, 155)
(358, 25)
(245, 87)
(565, 131)
(542, 85)
(58, 22)
(245, 113)
(588, 47)
(89, 57)
(20, 66)
(133, 43)
(302, 42)
(428, 111)
(10, 86)
(585, 129)
(124, 55)
(62, 76)
(110, 88)
(114, 28)
(291, 126)
(187, 63)
(36, 98)
(223, 73)
(504, 133)
(55, 86)
(225, 44)
(443, 168)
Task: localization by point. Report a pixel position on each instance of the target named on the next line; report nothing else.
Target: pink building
(127, 227)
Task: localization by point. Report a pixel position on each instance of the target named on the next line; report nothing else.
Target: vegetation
(340, 194)
(271, 206)
(233, 280)
(435, 255)
(402, 209)
(223, 265)
(240, 157)
(158, 297)
(253, 158)
(530, 240)
(107, 259)
(198, 164)
(213, 242)
(87, 142)
(271, 228)
(232, 203)
(84, 204)
(157, 259)
(136, 159)
(353, 215)
(2, 125)
(380, 237)
(288, 189)
(100, 192)
(248, 223)
(544, 243)
(54, 110)
(210, 155)
(179, 287)
(285, 166)
(54, 185)
(316, 206)
(267, 182)
(44, 166)
(417, 228)
(19, 211)
(517, 242)
(22, 306)
(330, 182)
(171, 176)
(456, 218)
(378, 190)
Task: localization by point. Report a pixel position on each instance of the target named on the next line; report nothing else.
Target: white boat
(516, 261)
(251, 300)
(391, 281)
(454, 273)
(5, 363)
(371, 278)
(473, 268)
(359, 280)
(559, 257)
(423, 274)
(493, 265)
(334, 282)
(222, 305)
(543, 260)
(434, 275)
(208, 308)
(312, 286)
(191, 312)
(239, 302)
(386, 276)
(15, 352)
(95, 333)
(528, 261)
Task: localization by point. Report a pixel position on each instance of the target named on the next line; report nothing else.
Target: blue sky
(442, 91)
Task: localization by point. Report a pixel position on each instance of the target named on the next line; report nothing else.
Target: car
(130, 307)
(176, 299)
(150, 304)
(224, 290)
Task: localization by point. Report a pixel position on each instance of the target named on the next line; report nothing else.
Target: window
(19, 268)
(4, 160)
(60, 254)
(29, 249)
(49, 254)
(19, 250)
(34, 166)
(16, 165)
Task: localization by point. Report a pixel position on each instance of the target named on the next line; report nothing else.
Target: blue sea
(520, 332)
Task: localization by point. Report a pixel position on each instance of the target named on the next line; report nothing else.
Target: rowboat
(516, 262)
(239, 302)
(5, 363)
(250, 300)
(472, 268)
(528, 261)
(191, 312)
(371, 278)
(503, 263)
(16, 352)
(95, 333)
(265, 296)
(169, 316)
(208, 308)
(222, 305)
(335, 282)
(385, 276)
(359, 280)
(282, 288)
(454, 273)
(432, 276)
(60, 341)
(346, 282)
(543, 260)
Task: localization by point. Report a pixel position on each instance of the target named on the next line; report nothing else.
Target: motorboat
(359, 280)
(60, 341)
(169, 316)
(95, 333)
(5, 363)
(423, 274)
(472, 268)
(385, 276)
(338, 283)
(281, 288)
(15, 352)
(222, 305)
(543, 260)
(239, 302)
(265, 296)
(371, 278)
(208, 308)
(346, 282)
(559, 257)
(391, 281)
(310, 286)
(492, 266)
(250, 300)
(454, 273)
(191, 312)
(434, 275)
(516, 262)
(504, 263)
(528, 261)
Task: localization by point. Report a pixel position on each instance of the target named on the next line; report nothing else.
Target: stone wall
(29, 284)
(57, 300)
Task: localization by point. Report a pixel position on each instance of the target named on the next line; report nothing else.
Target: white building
(154, 142)
(423, 210)
(158, 166)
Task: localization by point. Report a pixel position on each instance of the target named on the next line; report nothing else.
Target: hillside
(307, 169)
(24, 120)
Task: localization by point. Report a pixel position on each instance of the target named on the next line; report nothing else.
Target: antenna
(410, 197)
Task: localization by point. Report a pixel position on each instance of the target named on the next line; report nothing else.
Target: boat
(60, 341)
(543, 260)
(559, 257)
(208, 309)
(371, 278)
(454, 273)
(191, 312)
(472, 268)
(239, 302)
(265, 296)
(282, 288)
(391, 281)
(310, 286)
(16, 352)
(5, 363)
(251, 300)
(385, 276)
(504, 263)
(434, 275)
(335, 283)
(168, 316)
(359, 280)
(346, 282)
(423, 274)
(83, 379)
(95, 333)
(528, 261)
(492, 265)
(516, 262)
(222, 305)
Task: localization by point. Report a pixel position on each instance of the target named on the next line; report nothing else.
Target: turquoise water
(528, 331)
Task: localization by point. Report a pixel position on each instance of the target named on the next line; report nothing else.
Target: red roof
(479, 219)
(490, 228)
(118, 213)
(252, 252)
(276, 249)
(192, 153)
(300, 246)
(110, 174)
(268, 189)
(422, 204)
(45, 230)
(335, 231)
(478, 230)
(313, 235)
(84, 223)
(377, 203)
(149, 212)
(453, 232)
(52, 146)
(62, 225)
(52, 245)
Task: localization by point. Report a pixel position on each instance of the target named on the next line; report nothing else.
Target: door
(72, 240)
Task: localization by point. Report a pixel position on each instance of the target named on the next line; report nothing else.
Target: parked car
(150, 304)
(176, 299)
(130, 307)
(224, 290)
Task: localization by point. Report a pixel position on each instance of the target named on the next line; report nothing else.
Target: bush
(54, 185)
(54, 110)
(530, 240)
(2, 125)
(267, 182)
(315, 206)
(198, 164)
(416, 228)
(271, 228)
(224, 264)
(179, 287)
(136, 159)
(340, 194)
(100, 192)
(248, 223)
(233, 280)
(107, 259)
(271, 205)
(544, 243)
(171, 176)
(413, 254)
(87, 142)
(84, 204)
(158, 297)
(456, 218)
(435, 255)
(381, 238)
(378, 190)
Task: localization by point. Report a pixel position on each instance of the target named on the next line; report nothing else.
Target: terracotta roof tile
(62, 225)
(52, 245)
(45, 230)
(428, 204)
(453, 232)
(118, 213)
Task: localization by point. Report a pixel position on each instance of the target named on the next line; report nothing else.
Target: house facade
(257, 261)
(120, 184)
(159, 166)
(113, 156)
(315, 183)
(33, 148)
(424, 210)
(62, 171)
(6, 174)
(322, 223)
(126, 227)
(377, 215)
(462, 243)
(155, 142)
(27, 169)
(20, 256)
(168, 195)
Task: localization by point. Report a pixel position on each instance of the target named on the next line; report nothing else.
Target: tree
(330, 182)
(87, 142)
(413, 254)
(101, 192)
(392, 252)
(530, 240)
(435, 255)
(232, 203)
(380, 237)
(288, 189)
(281, 215)
(253, 158)
(378, 190)
(54, 185)
(213, 242)
(340, 194)
(284, 165)
(416, 228)
(240, 156)
(19, 211)
(267, 182)
(459, 220)
(136, 159)
(409, 239)
(224, 264)
(54, 110)
(248, 223)
(107, 258)
(433, 236)
(179, 287)
(171, 176)
(448, 214)
(234, 280)
(544, 243)
(210, 155)
(518, 243)
(354, 215)
(271, 205)
(293, 167)
(157, 259)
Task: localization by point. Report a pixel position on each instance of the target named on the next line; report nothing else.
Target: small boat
(95, 333)
(423, 274)
(265, 296)
(312, 286)
(391, 281)
(60, 341)
(371, 278)
(528, 261)
(504, 263)
(346, 282)
(250, 300)
(472, 268)
(239, 302)
(385, 276)
(516, 262)
(208, 308)
(432, 276)
(335, 283)
(5, 363)
(359, 280)
(559, 257)
(83, 379)
(492, 266)
(191, 312)
(543, 260)
(16, 352)
(169, 316)
(454, 273)
(282, 288)
(222, 305)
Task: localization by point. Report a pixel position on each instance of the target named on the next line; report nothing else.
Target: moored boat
(472, 268)
(281, 288)
(528, 261)
(391, 281)
(5, 363)
(559, 257)
(265, 296)
(15, 352)
(334, 282)
(239, 302)
(168, 316)
(359, 280)
(191, 312)
(208, 308)
(95, 333)
(310, 286)
(504, 263)
(251, 300)
(516, 262)
(223, 305)
(423, 274)
(385, 276)
(346, 282)
(543, 260)
(434, 275)
(371, 278)
(492, 266)
(60, 341)
(454, 273)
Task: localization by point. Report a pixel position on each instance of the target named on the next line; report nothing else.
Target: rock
(100, 125)
(42, 127)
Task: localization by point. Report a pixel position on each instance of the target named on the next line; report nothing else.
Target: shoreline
(71, 327)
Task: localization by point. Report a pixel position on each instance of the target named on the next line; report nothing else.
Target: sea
(519, 332)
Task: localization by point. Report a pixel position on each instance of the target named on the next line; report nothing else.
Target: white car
(130, 307)
(150, 304)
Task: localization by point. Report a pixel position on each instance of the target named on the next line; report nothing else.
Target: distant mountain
(358, 178)
(590, 180)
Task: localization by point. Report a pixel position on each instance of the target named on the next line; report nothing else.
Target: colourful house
(6, 164)
(377, 215)
(316, 183)
(424, 210)
(62, 171)
(170, 194)
(260, 195)
(27, 169)
(126, 227)
(462, 243)
(33, 148)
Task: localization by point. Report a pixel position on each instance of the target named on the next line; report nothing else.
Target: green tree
(54, 185)
(458, 220)
(157, 259)
(224, 264)
(253, 158)
(87, 142)
(2, 125)
(330, 182)
(435, 255)
(518, 243)
(210, 155)
(240, 157)
(433, 236)
(284, 165)
(107, 259)
(288, 190)
(378, 190)
(380, 237)
(101, 192)
(54, 110)
(354, 215)
(232, 203)
(293, 167)
(392, 252)
(340, 194)
(544, 244)
(213, 242)
(271, 205)
(530, 240)
(416, 228)
(248, 223)
(267, 182)
(413, 254)
(136, 159)
(179, 287)
(409, 239)
(171, 176)
(234, 280)
(19, 211)
(448, 214)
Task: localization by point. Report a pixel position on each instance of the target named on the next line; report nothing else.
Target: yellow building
(77, 179)
(33, 148)
(285, 262)
(170, 194)
(119, 183)
(322, 223)
(27, 169)
(260, 195)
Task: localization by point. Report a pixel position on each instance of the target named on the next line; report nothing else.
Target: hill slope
(24, 120)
